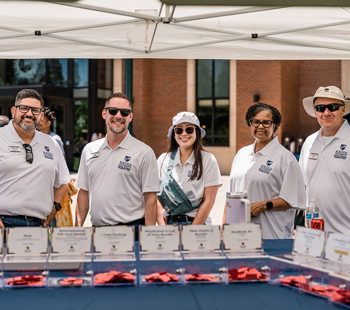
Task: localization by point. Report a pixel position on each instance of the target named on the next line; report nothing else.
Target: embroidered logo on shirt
(341, 154)
(124, 165)
(47, 153)
(266, 169)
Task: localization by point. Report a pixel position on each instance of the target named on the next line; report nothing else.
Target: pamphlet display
(160, 258)
(69, 263)
(114, 260)
(25, 262)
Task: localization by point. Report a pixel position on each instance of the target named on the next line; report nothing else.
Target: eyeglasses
(114, 111)
(331, 107)
(179, 130)
(25, 109)
(256, 123)
(29, 153)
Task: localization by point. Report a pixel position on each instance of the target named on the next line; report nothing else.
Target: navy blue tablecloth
(238, 296)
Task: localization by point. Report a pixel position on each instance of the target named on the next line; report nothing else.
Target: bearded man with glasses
(118, 175)
(33, 173)
(324, 158)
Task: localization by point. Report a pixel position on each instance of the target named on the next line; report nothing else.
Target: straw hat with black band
(331, 92)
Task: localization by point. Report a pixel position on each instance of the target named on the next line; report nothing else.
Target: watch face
(269, 205)
(58, 206)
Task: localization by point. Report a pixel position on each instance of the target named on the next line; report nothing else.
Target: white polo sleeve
(293, 186)
(62, 174)
(149, 173)
(212, 175)
(82, 180)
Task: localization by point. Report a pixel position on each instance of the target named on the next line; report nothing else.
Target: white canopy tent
(149, 29)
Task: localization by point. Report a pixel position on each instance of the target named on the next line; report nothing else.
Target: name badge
(313, 156)
(95, 155)
(14, 149)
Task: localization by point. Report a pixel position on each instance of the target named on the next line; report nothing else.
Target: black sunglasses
(29, 153)
(256, 123)
(179, 130)
(24, 109)
(331, 107)
(114, 111)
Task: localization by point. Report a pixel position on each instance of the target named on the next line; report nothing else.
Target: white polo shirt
(271, 173)
(27, 189)
(117, 179)
(58, 139)
(194, 190)
(326, 170)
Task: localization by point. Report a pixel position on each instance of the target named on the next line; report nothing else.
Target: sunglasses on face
(114, 111)
(256, 123)
(179, 130)
(29, 153)
(25, 109)
(331, 107)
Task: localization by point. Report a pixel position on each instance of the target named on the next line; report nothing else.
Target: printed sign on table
(159, 238)
(242, 237)
(71, 240)
(114, 239)
(309, 241)
(338, 248)
(201, 237)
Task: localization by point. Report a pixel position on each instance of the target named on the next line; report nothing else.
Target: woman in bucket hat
(195, 171)
(270, 175)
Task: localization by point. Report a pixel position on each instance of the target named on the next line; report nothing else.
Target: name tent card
(71, 240)
(338, 248)
(27, 240)
(309, 241)
(201, 238)
(245, 237)
(159, 238)
(114, 239)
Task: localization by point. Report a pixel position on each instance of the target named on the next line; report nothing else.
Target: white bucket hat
(325, 92)
(186, 117)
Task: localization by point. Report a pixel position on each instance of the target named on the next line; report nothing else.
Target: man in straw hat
(324, 158)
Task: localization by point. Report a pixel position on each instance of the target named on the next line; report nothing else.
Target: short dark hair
(29, 93)
(4, 120)
(117, 95)
(49, 114)
(258, 107)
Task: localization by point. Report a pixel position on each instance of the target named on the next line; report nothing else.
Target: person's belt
(26, 217)
(180, 218)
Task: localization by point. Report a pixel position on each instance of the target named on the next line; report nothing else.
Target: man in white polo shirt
(118, 175)
(33, 173)
(324, 158)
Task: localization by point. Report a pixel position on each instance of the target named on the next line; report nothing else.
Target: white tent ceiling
(149, 29)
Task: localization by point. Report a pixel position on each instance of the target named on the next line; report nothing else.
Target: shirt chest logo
(47, 153)
(125, 165)
(341, 154)
(266, 168)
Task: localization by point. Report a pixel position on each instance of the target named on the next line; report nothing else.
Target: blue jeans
(12, 221)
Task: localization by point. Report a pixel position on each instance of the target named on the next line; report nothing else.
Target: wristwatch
(269, 205)
(57, 205)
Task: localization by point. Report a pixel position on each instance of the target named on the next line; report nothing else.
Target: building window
(212, 100)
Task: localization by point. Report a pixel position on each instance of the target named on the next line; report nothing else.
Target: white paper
(242, 236)
(159, 238)
(27, 240)
(309, 241)
(201, 237)
(237, 210)
(338, 248)
(114, 239)
(71, 240)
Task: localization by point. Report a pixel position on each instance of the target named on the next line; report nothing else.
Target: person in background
(34, 176)
(64, 216)
(195, 170)
(4, 120)
(117, 175)
(270, 174)
(324, 158)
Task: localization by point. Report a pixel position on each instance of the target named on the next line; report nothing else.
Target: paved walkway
(215, 214)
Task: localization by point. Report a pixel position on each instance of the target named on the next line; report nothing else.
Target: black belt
(26, 217)
(180, 218)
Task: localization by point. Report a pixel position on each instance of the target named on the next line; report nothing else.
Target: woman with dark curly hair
(194, 170)
(270, 174)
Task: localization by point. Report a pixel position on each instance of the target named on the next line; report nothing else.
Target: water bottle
(311, 212)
